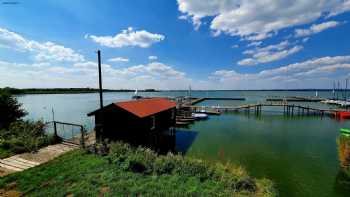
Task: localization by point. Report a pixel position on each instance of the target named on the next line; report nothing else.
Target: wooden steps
(25, 161)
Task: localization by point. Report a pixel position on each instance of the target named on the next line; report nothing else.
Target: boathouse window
(153, 122)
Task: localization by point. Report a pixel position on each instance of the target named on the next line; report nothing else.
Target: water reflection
(175, 141)
(184, 140)
(343, 176)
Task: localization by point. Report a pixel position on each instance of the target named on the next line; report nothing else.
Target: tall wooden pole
(100, 78)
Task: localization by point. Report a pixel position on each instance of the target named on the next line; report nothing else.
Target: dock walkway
(289, 109)
(25, 161)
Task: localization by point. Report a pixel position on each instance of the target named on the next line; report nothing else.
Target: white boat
(136, 96)
(199, 116)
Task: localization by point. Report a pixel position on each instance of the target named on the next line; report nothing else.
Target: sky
(174, 44)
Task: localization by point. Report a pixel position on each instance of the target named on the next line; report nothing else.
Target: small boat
(182, 124)
(345, 131)
(343, 114)
(199, 116)
(136, 96)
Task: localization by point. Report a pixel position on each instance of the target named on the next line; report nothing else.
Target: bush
(164, 165)
(10, 109)
(147, 162)
(24, 136)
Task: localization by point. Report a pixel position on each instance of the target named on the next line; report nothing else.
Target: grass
(126, 171)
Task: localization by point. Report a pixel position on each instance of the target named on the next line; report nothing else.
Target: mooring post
(82, 141)
(55, 129)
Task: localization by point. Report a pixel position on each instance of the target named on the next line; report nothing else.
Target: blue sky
(217, 44)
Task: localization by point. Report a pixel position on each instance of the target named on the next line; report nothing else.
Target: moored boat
(199, 116)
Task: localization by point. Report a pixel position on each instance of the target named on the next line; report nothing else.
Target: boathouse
(134, 120)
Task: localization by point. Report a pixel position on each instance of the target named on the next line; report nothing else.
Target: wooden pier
(198, 100)
(288, 109)
(296, 99)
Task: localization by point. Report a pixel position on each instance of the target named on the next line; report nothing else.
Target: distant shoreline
(65, 90)
(93, 90)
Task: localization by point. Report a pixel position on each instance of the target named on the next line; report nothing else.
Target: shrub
(145, 161)
(10, 109)
(24, 136)
(164, 165)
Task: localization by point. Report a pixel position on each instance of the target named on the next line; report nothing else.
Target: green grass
(133, 172)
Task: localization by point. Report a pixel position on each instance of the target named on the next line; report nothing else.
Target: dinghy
(199, 116)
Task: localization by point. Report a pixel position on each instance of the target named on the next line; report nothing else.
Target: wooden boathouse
(135, 120)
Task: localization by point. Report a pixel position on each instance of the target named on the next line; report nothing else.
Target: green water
(298, 153)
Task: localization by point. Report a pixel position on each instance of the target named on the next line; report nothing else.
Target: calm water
(299, 154)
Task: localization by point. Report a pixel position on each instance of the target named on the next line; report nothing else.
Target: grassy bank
(127, 171)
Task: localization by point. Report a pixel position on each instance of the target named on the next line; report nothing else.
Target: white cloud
(235, 46)
(314, 73)
(156, 69)
(254, 44)
(269, 53)
(84, 74)
(152, 57)
(314, 29)
(258, 19)
(118, 59)
(44, 51)
(128, 37)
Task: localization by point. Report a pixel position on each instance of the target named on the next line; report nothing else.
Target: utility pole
(100, 78)
(99, 128)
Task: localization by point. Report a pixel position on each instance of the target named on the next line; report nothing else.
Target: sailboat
(136, 96)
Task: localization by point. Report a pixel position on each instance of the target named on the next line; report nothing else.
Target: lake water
(298, 153)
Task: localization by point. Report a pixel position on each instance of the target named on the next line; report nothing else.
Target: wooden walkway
(24, 161)
(289, 109)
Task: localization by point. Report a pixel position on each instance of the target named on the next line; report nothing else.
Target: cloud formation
(269, 53)
(152, 57)
(43, 51)
(118, 59)
(314, 73)
(128, 37)
(258, 19)
(314, 29)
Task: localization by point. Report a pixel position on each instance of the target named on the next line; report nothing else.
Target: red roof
(146, 107)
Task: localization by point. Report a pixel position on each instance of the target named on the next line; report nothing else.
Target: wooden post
(100, 128)
(55, 129)
(82, 141)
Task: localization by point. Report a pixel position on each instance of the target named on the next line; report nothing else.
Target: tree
(10, 109)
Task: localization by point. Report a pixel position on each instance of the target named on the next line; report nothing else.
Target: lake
(298, 153)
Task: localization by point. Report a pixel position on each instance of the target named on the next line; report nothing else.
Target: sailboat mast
(346, 89)
(333, 90)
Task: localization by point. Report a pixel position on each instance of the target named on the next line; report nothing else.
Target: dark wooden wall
(120, 124)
